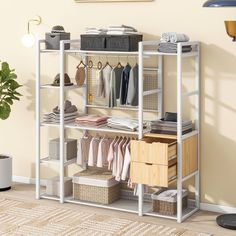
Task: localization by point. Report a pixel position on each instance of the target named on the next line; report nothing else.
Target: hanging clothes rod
(107, 54)
(145, 68)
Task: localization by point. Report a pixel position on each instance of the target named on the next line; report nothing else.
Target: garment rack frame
(140, 54)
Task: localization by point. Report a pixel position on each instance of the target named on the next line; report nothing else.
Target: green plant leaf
(14, 85)
(8, 87)
(12, 76)
(15, 98)
(16, 93)
(5, 110)
(5, 71)
(9, 100)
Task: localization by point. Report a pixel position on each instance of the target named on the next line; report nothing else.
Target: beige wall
(218, 81)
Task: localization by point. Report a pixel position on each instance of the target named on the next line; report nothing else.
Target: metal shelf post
(62, 134)
(38, 133)
(140, 114)
(179, 133)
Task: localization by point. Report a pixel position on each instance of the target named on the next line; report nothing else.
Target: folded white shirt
(126, 122)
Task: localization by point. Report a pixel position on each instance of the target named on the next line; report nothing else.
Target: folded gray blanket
(172, 48)
(174, 37)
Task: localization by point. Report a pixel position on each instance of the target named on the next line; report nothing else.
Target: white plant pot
(5, 172)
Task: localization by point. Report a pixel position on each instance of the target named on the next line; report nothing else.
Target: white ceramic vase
(5, 172)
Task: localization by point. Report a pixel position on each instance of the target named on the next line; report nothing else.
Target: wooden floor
(201, 221)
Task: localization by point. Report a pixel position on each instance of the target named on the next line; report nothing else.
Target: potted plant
(8, 94)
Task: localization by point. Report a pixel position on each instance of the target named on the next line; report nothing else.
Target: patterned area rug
(23, 218)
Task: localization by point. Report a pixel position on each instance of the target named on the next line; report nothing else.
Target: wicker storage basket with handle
(96, 186)
(166, 202)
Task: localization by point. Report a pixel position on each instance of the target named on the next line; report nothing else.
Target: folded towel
(172, 48)
(169, 50)
(123, 122)
(114, 32)
(174, 37)
(111, 27)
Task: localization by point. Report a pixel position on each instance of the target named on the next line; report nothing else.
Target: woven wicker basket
(169, 208)
(96, 191)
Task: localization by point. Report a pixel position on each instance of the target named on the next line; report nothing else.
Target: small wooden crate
(167, 205)
(96, 186)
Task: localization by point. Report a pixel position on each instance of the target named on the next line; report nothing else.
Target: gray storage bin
(53, 186)
(70, 149)
(53, 40)
(93, 42)
(127, 43)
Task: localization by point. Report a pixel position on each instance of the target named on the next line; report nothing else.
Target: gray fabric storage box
(53, 186)
(53, 40)
(127, 43)
(93, 42)
(70, 149)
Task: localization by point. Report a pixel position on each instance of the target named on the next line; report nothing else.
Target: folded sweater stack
(92, 120)
(170, 127)
(169, 42)
(70, 113)
(113, 30)
(122, 123)
(121, 30)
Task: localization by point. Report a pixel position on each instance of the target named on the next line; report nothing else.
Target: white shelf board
(49, 86)
(91, 52)
(49, 160)
(186, 212)
(124, 205)
(126, 108)
(156, 53)
(97, 129)
(49, 197)
(135, 53)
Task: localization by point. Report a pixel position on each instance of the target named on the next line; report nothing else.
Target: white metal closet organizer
(141, 53)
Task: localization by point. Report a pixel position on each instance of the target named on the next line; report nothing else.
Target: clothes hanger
(118, 63)
(99, 65)
(128, 61)
(107, 64)
(97, 136)
(90, 64)
(81, 62)
(85, 134)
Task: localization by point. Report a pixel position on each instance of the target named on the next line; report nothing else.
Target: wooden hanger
(99, 65)
(90, 64)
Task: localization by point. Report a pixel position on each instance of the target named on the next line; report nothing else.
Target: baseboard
(217, 208)
(26, 180)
